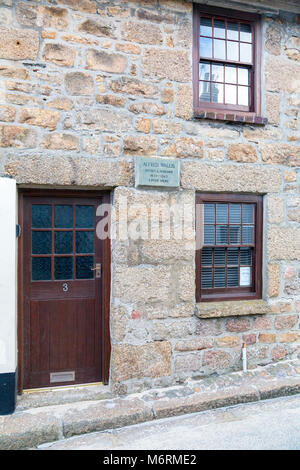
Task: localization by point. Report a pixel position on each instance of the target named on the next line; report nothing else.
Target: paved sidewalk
(263, 425)
(29, 428)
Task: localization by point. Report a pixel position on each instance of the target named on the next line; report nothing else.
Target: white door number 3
(65, 287)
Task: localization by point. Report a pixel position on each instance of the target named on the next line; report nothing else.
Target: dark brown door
(65, 292)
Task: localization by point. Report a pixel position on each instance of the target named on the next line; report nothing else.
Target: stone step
(62, 395)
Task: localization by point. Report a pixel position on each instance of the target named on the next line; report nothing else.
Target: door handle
(97, 268)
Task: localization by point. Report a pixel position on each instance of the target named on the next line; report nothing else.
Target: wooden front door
(66, 282)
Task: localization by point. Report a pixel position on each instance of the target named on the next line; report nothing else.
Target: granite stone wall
(86, 86)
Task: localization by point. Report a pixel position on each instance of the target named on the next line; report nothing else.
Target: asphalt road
(271, 424)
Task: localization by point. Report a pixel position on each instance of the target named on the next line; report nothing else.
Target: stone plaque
(163, 172)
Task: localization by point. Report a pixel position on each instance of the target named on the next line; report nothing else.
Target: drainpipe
(244, 356)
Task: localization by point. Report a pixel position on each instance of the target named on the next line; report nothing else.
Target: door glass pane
(232, 256)
(235, 213)
(230, 94)
(222, 213)
(217, 92)
(233, 51)
(206, 256)
(63, 243)
(209, 213)
(209, 234)
(219, 280)
(245, 32)
(83, 267)
(85, 216)
(206, 278)
(221, 235)
(219, 256)
(232, 277)
(205, 27)
(63, 267)
(41, 243)
(204, 71)
(217, 73)
(63, 216)
(41, 216)
(41, 269)
(205, 47)
(84, 242)
(233, 31)
(219, 49)
(246, 52)
(235, 234)
(219, 29)
(204, 91)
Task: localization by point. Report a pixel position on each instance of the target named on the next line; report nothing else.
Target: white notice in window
(245, 276)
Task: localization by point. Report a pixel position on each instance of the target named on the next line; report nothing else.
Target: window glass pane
(221, 235)
(41, 216)
(209, 213)
(247, 238)
(219, 49)
(209, 235)
(235, 234)
(205, 47)
(219, 29)
(245, 257)
(41, 269)
(235, 213)
(222, 213)
(245, 32)
(217, 92)
(232, 277)
(230, 94)
(217, 73)
(206, 256)
(243, 76)
(85, 216)
(63, 216)
(232, 256)
(243, 95)
(233, 31)
(204, 71)
(205, 27)
(63, 243)
(230, 74)
(206, 278)
(41, 243)
(63, 267)
(246, 52)
(233, 51)
(204, 91)
(84, 242)
(84, 265)
(219, 254)
(248, 213)
(219, 280)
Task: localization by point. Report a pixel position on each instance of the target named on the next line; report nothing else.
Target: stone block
(167, 64)
(284, 243)
(244, 153)
(105, 61)
(19, 44)
(79, 83)
(142, 33)
(57, 141)
(273, 280)
(59, 54)
(134, 362)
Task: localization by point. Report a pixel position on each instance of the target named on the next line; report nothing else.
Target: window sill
(231, 308)
(246, 118)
